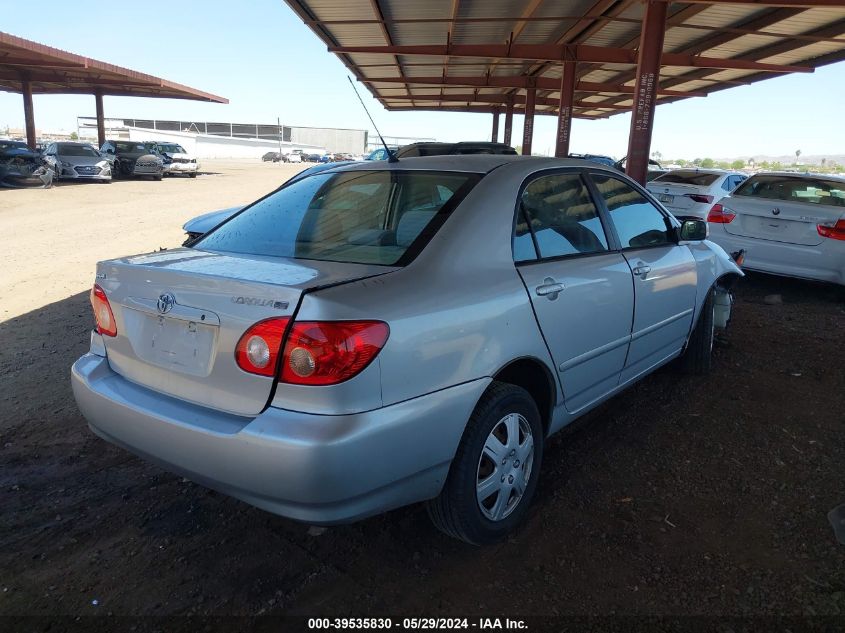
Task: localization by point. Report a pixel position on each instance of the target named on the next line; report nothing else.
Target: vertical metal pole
(508, 123)
(279, 126)
(28, 112)
(645, 90)
(528, 127)
(495, 135)
(101, 119)
(564, 114)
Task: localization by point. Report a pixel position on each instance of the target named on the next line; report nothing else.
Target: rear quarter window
(794, 189)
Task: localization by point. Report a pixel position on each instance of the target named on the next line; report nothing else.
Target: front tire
(494, 473)
(698, 357)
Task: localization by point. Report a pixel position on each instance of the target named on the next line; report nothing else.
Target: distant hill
(789, 159)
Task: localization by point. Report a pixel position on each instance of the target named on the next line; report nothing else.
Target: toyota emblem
(776, 211)
(165, 302)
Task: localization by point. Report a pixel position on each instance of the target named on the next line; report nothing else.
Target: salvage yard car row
(21, 166)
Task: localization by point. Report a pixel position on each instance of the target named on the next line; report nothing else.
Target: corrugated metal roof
(783, 35)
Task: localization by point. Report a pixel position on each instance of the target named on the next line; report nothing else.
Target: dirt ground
(680, 496)
(52, 238)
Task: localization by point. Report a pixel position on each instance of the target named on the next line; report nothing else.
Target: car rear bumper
(822, 262)
(316, 468)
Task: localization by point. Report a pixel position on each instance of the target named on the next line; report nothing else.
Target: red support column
(28, 113)
(495, 135)
(564, 114)
(645, 90)
(101, 120)
(508, 123)
(528, 126)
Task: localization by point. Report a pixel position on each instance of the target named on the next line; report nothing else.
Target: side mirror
(693, 231)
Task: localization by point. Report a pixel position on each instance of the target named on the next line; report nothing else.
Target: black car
(273, 157)
(440, 149)
(133, 158)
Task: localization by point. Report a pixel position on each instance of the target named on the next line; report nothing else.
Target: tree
(707, 163)
(738, 164)
(797, 154)
(697, 162)
(74, 136)
(656, 155)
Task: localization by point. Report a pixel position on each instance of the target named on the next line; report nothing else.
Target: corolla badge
(165, 302)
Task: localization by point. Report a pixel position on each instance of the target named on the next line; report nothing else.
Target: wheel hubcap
(504, 467)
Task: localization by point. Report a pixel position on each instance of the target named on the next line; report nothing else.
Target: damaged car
(133, 158)
(177, 160)
(21, 166)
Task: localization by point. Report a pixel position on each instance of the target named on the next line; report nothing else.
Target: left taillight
(257, 351)
(102, 312)
(699, 197)
(834, 232)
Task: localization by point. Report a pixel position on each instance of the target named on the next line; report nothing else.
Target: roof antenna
(391, 157)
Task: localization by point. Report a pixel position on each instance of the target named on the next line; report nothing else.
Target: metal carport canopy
(31, 68)
(571, 58)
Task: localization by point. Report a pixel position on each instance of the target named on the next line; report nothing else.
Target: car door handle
(549, 288)
(642, 270)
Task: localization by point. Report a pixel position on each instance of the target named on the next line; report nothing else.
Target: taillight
(720, 215)
(102, 312)
(835, 232)
(329, 352)
(699, 197)
(257, 351)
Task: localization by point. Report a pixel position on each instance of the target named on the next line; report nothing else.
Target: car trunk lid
(180, 314)
(676, 195)
(777, 220)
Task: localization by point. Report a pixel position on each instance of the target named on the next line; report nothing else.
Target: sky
(268, 64)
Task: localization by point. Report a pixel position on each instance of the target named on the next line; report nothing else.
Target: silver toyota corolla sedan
(379, 335)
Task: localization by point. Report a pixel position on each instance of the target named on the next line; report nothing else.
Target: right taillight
(834, 232)
(329, 352)
(720, 215)
(102, 312)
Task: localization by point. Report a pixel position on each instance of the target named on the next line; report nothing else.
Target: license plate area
(180, 345)
(665, 197)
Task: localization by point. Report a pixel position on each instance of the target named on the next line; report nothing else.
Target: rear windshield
(794, 189)
(367, 217)
(688, 178)
(171, 148)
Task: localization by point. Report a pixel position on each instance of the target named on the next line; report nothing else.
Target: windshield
(5, 145)
(688, 178)
(794, 189)
(76, 150)
(171, 148)
(368, 217)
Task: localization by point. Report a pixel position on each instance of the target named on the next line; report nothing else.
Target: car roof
(802, 174)
(472, 163)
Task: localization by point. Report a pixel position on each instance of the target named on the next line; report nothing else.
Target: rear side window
(561, 214)
(794, 189)
(368, 217)
(688, 178)
(637, 221)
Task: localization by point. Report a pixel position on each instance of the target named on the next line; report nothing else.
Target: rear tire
(494, 473)
(698, 357)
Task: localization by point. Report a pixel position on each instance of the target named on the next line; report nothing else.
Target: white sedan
(691, 192)
(788, 224)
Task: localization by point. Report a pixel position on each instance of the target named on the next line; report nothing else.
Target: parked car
(596, 158)
(381, 153)
(202, 224)
(293, 157)
(655, 169)
(21, 166)
(77, 161)
(176, 160)
(133, 158)
(311, 158)
(383, 334)
(273, 157)
(788, 224)
(691, 192)
(440, 149)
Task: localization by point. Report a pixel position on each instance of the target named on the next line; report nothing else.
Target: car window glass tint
(638, 222)
(687, 178)
(563, 217)
(795, 189)
(523, 243)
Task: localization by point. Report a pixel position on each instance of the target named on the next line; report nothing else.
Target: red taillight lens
(720, 215)
(329, 352)
(835, 232)
(698, 197)
(102, 312)
(257, 351)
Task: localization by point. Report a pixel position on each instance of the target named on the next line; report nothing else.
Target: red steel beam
(508, 123)
(564, 115)
(486, 110)
(101, 119)
(493, 99)
(520, 81)
(559, 52)
(494, 136)
(528, 124)
(798, 4)
(648, 71)
(28, 112)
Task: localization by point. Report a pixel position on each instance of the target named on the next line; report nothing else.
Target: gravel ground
(680, 496)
